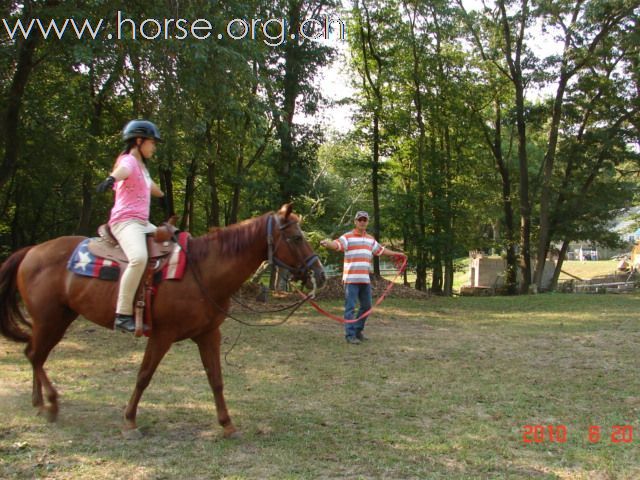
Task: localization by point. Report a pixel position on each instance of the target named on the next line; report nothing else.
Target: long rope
(401, 265)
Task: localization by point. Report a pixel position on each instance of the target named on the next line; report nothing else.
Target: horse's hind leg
(48, 330)
(209, 346)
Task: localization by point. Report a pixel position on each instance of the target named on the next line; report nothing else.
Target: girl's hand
(106, 184)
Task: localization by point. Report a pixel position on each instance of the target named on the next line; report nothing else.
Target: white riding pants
(132, 237)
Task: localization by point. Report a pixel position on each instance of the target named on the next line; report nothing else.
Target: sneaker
(360, 336)
(125, 323)
(353, 340)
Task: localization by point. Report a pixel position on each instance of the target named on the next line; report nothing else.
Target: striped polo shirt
(358, 252)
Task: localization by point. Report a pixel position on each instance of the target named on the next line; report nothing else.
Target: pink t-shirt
(133, 194)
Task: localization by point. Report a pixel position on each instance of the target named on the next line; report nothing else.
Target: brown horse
(195, 307)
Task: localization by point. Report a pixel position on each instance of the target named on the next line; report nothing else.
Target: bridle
(299, 272)
(273, 260)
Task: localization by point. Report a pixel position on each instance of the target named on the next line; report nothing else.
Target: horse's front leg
(209, 346)
(157, 347)
(36, 393)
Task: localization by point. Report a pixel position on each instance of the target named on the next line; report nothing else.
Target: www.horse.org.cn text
(272, 32)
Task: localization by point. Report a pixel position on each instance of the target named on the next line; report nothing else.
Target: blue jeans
(354, 292)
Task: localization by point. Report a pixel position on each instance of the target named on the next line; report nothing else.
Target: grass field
(587, 270)
(443, 389)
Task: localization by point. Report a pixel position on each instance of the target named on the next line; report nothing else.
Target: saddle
(159, 247)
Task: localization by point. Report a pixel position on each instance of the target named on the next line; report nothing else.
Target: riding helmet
(140, 129)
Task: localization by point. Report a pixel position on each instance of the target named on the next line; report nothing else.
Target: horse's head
(290, 250)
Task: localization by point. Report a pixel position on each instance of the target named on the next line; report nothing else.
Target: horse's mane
(227, 241)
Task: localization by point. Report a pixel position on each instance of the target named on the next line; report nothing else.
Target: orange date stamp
(617, 434)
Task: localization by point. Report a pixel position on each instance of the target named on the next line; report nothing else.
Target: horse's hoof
(48, 413)
(131, 434)
(232, 434)
(52, 417)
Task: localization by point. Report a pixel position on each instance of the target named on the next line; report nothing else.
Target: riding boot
(125, 323)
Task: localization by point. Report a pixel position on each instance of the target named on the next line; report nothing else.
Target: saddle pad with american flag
(83, 262)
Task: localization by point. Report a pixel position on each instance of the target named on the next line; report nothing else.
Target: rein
(273, 260)
(401, 267)
(294, 306)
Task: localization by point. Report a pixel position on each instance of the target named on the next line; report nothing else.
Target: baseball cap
(362, 214)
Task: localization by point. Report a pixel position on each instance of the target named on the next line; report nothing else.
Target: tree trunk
(368, 50)
(15, 95)
(375, 164)
(544, 235)
(189, 189)
(420, 241)
(511, 273)
(437, 278)
(213, 219)
(235, 196)
(166, 183)
(525, 204)
(558, 269)
(170, 150)
(448, 219)
(513, 49)
(448, 277)
(291, 91)
(88, 188)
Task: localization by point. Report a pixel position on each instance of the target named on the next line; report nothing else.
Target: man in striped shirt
(359, 248)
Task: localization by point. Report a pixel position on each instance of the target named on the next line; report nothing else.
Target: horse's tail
(11, 317)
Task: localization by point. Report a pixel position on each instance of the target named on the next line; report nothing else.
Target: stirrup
(125, 323)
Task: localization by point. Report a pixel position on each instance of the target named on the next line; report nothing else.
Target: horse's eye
(295, 238)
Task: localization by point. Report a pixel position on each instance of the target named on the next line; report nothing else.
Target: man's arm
(390, 253)
(330, 244)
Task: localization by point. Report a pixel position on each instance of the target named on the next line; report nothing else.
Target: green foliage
(220, 160)
(435, 99)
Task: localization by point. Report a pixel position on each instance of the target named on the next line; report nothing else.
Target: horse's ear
(285, 210)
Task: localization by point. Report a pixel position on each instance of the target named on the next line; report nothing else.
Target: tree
(589, 30)
(22, 64)
(288, 74)
(370, 57)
